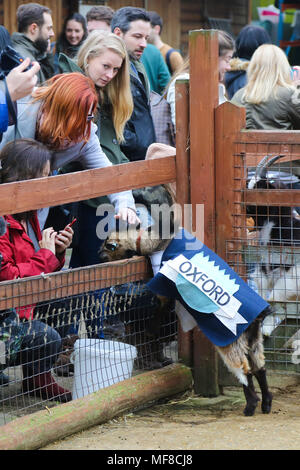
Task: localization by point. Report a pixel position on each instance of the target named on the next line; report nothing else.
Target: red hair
(67, 99)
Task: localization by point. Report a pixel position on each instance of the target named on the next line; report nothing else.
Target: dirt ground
(189, 422)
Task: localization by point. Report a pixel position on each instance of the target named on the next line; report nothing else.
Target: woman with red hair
(60, 115)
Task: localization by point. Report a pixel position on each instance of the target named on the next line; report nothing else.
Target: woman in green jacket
(270, 97)
(104, 59)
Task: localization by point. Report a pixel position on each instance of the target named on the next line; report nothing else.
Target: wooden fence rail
(55, 190)
(72, 282)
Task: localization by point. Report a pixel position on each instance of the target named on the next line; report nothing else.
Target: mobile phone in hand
(72, 223)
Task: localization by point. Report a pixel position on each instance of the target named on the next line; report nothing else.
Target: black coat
(236, 78)
(139, 131)
(234, 81)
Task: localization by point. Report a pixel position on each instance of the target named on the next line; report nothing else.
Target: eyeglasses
(90, 117)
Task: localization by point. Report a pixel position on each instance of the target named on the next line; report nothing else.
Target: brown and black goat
(244, 357)
(146, 324)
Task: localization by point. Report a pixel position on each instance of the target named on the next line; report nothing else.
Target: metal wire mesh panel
(266, 240)
(76, 344)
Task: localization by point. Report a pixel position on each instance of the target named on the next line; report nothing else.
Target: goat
(277, 275)
(244, 356)
(143, 323)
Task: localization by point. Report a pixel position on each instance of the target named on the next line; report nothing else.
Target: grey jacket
(281, 111)
(89, 155)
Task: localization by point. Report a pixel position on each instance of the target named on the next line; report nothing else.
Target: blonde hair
(117, 91)
(268, 69)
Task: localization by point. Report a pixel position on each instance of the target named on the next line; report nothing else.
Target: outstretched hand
(129, 215)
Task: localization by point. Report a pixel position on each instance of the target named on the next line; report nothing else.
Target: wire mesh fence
(265, 246)
(109, 329)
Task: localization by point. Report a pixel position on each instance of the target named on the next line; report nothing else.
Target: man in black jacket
(133, 25)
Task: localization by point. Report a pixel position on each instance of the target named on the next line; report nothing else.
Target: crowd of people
(85, 103)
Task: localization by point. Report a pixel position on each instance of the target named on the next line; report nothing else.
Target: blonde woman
(271, 99)
(103, 58)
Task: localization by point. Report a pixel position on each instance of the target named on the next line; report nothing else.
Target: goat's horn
(261, 169)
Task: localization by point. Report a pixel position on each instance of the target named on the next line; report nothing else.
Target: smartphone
(72, 223)
(9, 59)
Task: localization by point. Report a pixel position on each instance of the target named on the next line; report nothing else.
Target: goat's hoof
(267, 404)
(250, 408)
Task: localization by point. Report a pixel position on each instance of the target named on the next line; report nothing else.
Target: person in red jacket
(26, 251)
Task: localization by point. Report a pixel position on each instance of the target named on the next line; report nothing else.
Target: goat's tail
(235, 358)
(246, 355)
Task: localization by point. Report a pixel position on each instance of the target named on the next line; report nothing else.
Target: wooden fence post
(185, 340)
(229, 120)
(204, 79)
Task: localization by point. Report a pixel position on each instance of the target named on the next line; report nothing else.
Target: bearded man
(35, 30)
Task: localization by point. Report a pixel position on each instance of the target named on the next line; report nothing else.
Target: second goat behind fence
(277, 273)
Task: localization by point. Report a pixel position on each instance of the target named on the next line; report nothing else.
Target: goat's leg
(235, 356)
(266, 395)
(257, 359)
(251, 398)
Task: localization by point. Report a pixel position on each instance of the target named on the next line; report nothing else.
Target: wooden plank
(185, 346)
(203, 100)
(185, 339)
(10, 20)
(253, 160)
(169, 11)
(228, 121)
(257, 144)
(183, 150)
(269, 197)
(205, 365)
(289, 137)
(203, 51)
(116, 4)
(44, 192)
(72, 282)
